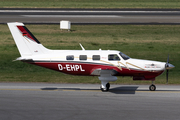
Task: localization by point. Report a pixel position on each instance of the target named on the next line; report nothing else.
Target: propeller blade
(167, 59)
(168, 66)
(167, 72)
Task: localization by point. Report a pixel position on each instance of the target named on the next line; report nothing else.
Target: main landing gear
(105, 89)
(105, 78)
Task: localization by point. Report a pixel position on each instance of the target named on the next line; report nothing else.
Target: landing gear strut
(106, 88)
(152, 87)
(106, 77)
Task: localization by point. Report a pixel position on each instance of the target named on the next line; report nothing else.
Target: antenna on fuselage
(81, 46)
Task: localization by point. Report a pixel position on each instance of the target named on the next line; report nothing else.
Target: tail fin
(27, 44)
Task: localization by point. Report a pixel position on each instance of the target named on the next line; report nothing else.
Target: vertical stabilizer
(27, 44)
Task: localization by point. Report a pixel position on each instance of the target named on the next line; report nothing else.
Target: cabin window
(96, 57)
(83, 57)
(70, 57)
(113, 57)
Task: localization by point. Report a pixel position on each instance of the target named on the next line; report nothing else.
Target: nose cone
(169, 66)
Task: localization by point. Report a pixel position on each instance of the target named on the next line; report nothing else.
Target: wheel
(105, 89)
(152, 87)
(107, 86)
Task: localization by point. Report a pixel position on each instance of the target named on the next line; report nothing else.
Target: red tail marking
(27, 33)
(24, 34)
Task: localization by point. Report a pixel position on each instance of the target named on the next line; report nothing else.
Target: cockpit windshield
(124, 56)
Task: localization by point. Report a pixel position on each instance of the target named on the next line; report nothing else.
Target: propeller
(167, 70)
(168, 66)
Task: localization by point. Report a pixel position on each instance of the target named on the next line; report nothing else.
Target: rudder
(27, 44)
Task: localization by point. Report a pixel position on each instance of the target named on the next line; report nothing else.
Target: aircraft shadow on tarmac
(124, 90)
(117, 90)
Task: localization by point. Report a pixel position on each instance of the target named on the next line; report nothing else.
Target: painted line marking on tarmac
(74, 16)
(163, 91)
(69, 90)
(22, 89)
(99, 16)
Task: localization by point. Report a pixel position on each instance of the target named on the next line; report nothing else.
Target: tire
(107, 88)
(152, 87)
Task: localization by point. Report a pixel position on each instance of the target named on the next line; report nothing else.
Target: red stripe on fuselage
(87, 68)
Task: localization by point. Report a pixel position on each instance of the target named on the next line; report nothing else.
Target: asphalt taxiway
(90, 16)
(43, 101)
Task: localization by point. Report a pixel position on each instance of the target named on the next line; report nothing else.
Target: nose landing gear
(152, 87)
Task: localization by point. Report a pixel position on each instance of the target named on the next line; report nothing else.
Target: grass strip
(90, 4)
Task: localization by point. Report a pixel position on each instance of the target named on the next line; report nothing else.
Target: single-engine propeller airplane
(107, 64)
